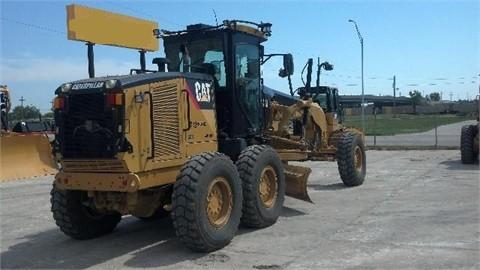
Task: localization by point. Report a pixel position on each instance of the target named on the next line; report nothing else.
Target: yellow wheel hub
(219, 202)
(268, 188)
(358, 159)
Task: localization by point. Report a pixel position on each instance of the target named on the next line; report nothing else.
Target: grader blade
(25, 155)
(296, 182)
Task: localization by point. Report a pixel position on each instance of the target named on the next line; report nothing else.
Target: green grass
(386, 124)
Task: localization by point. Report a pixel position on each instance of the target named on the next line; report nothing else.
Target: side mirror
(287, 66)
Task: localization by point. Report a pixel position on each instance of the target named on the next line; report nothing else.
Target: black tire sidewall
(218, 167)
(346, 159)
(256, 214)
(72, 217)
(270, 158)
(467, 150)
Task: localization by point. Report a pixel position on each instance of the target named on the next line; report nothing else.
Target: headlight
(66, 87)
(110, 84)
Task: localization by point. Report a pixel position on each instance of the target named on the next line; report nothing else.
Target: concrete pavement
(416, 209)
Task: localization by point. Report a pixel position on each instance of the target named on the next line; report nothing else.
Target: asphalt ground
(416, 210)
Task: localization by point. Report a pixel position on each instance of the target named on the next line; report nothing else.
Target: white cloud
(23, 70)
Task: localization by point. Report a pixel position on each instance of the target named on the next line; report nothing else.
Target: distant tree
(435, 96)
(48, 115)
(416, 99)
(29, 112)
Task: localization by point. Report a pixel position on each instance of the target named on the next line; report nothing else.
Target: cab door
(247, 87)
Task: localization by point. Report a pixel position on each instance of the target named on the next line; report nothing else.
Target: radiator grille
(94, 166)
(166, 141)
(76, 140)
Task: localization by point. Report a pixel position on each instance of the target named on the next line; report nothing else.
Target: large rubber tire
(467, 150)
(189, 202)
(77, 220)
(251, 164)
(350, 151)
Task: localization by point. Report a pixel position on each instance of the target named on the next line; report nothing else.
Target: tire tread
(183, 207)
(345, 160)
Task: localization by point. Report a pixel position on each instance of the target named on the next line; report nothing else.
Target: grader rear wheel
(263, 179)
(77, 220)
(207, 202)
(351, 159)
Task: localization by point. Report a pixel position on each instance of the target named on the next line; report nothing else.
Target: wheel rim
(268, 186)
(358, 159)
(219, 202)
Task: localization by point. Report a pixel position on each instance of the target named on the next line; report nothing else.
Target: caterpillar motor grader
(25, 143)
(201, 140)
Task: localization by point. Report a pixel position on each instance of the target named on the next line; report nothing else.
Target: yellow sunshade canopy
(107, 28)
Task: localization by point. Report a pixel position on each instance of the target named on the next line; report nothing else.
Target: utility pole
(394, 97)
(451, 95)
(23, 109)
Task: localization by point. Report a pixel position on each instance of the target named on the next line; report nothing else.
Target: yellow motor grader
(201, 139)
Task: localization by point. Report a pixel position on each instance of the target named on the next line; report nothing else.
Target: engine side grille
(77, 141)
(166, 141)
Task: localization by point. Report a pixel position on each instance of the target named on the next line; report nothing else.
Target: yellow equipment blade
(25, 155)
(296, 182)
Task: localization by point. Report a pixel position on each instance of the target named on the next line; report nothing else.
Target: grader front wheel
(207, 202)
(351, 159)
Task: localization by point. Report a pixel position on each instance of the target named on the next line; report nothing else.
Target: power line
(34, 26)
(140, 12)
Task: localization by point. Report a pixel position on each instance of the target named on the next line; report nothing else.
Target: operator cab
(325, 96)
(232, 54)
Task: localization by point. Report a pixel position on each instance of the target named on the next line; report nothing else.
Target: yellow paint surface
(107, 28)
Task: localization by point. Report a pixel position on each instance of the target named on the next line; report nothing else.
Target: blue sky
(429, 45)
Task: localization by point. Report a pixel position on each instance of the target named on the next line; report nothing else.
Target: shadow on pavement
(335, 186)
(290, 212)
(149, 244)
(153, 243)
(456, 164)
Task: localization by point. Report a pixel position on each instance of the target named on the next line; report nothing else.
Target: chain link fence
(406, 131)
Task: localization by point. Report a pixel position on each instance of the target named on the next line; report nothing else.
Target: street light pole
(394, 95)
(363, 89)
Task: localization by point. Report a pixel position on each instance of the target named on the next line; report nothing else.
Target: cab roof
(260, 30)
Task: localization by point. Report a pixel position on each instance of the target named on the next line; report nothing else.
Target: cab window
(247, 81)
